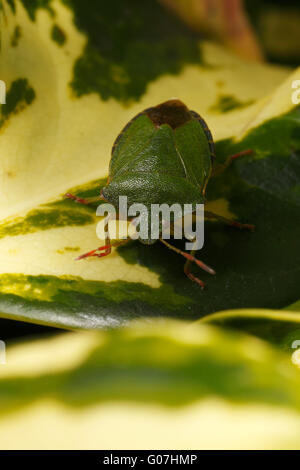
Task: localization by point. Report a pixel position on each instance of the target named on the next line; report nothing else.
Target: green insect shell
(164, 155)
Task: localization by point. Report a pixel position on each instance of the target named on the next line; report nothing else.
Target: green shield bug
(165, 154)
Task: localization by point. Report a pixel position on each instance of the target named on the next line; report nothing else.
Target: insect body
(165, 154)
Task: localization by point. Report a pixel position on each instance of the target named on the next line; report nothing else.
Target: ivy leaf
(162, 385)
(68, 100)
(279, 327)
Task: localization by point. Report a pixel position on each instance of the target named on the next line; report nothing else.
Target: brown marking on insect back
(171, 112)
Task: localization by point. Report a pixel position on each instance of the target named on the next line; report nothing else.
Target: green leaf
(280, 327)
(149, 386)
(295, 307)
(58, 137)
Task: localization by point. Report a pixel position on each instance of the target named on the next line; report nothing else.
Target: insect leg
(98, 251)
(190, 275)
(237, 155)
(81, 200)
(104, 250)
(232, 223)
(190, 259)
(220, 167)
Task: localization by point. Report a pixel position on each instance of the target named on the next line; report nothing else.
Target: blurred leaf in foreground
(279, 327)
(165, 386)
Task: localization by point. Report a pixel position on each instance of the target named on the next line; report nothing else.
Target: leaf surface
(57, 137)
(169, 385)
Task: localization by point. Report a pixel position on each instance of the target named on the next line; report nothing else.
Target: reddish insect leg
(232, 223)
(190, 259)
(238, 155)
(219, 168)
(81, 200)
(191, 276)
(96, 252)
(102, 250)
